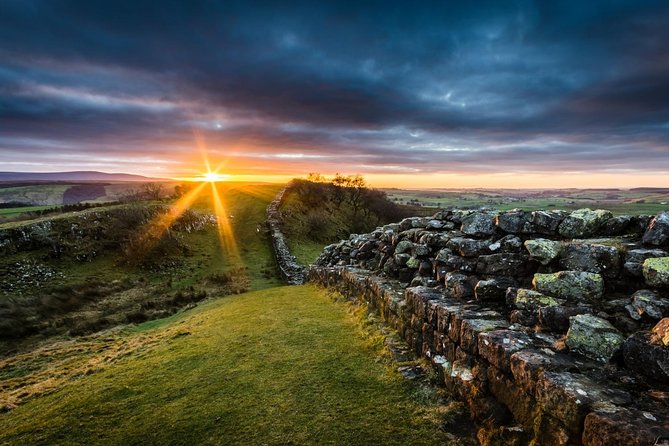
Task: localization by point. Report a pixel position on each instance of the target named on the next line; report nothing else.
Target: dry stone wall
(548, 322)
(291, 271)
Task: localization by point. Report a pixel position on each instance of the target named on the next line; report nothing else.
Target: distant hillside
(73, 176)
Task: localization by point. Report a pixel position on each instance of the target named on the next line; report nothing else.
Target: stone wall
(548, 322)
(291, 271)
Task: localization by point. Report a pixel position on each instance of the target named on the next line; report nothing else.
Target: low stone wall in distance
(291, 271)
(549, 322)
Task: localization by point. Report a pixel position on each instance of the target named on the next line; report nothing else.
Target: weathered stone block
(543, 250)
(570, 285)
(511, 264)
(471, 328)
(478, 224)
(644, 356)
(656, 271)
(493, 289)
(658, 230)
(593, 337)
(647, 304)
(512, 222)
(497, 346)
(635, 258)
(544, 222)
(583, 223)
(594, 258)
(619, 426)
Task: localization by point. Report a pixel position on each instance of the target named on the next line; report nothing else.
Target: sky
(410, 94)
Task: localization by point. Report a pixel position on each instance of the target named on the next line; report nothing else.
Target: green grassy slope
(280, 366)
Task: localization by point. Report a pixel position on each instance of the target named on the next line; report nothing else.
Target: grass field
(280, 366)
(617, 201)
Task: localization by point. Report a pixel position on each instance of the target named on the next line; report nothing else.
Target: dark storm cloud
(523, 85)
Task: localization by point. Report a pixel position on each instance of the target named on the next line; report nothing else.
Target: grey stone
(467, 247)
(583, 223)
(635, 258)
(544, 222)
(493, 289)
(512, 222)
(543, 250)
(658, 230)
(646, 357)
(646, 303)
(594, 258)
(593, 337)
(570, 285)
(478, 224)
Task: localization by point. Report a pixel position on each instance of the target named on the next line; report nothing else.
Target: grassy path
(281, 366)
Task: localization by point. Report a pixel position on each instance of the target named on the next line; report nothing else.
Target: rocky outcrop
(291, 271)
(545, 320)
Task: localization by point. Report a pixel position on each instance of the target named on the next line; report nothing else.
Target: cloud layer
(522, 86)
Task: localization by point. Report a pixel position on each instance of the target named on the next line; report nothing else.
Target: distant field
(617, 201)
(11, 212)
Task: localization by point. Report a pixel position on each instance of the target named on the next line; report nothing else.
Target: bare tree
(152, 191)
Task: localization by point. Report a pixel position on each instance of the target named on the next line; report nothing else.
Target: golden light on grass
(155, 229)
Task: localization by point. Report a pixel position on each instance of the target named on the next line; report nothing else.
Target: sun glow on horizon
(214, 177)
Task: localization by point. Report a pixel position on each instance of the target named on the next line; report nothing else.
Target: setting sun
(214, 177)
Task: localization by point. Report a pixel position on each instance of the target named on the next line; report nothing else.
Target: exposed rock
(493, 289)
(646, 357)
(583, 223)
(503, 264)
(468, 247)
(543, 250)
(635, 258)
(616, 225)
(442, 255)
(544, 222)
(478, 224)
(590, 257)
(573, 286)
(512, 222)
(646, 303)
(658, 230)
(510, 243)
(593, 337)
(656, 271)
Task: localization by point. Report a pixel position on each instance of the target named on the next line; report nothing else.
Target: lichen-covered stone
(530, 299)
(570, 285)
(656, 271)
(583, 222)
(404, 246)
(413, 263)
(478, 224)
(593, 337)
(595, 258)
(658, 230)
(543, 250)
